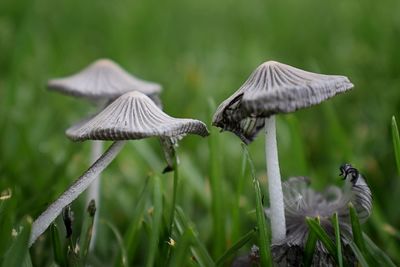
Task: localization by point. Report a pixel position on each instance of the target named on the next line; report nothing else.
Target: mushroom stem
(93, 191)
(278, 225)
(81, 184)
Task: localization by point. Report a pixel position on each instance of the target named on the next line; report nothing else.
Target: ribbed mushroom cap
(271, 89)
(134, 116)
(103, 79)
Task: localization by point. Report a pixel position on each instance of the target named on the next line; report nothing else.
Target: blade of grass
(58, 252)
(235, 247)
(217, 205)
(19, 249)
(198, 249)
(265, 251)
(156, 222)
(396, 142)
(309, 248)
(174, 193)
(356, 229)
(335, 223)
(360, 257)
(87, 231)
(119, 240)
(314, 226)
(377, 254)
(130, 238)
(236, 221)
(180, 254)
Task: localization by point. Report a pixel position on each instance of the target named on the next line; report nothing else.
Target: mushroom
(131, 116)
(101, 82)
(271, 89)
(302, 202)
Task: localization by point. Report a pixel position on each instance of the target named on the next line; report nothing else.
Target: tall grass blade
(265, 251)
(19, 250)
(174, 193)
(236, 221)
(309, 248)
(180, 252)
(381, 258)
(396, 142)
(198, 249)
(156, 222)
(359, 255)
(130, 238)
(87, 231)
(235, 247)
(120, 241)
(217, 195)
(356, 229)
(335, 223)
(314, 226)
(58, 252)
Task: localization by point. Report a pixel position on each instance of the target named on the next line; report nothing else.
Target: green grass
(198, 50)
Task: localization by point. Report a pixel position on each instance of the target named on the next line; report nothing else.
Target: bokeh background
(201, 52)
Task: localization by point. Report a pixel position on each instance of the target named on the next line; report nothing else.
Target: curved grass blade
(313, 224)
(265, 251)
(217, 195)
(356, 229)
(130, 238)
(174, 192)
(87, 231)
(59, 256)
(235, 247)
(199, 251)
(309, 248)
(180, 254)
(335, 223)
(360, 257)
(19, 250)
(377, 254)
(156, 222)
(396, 142)
(119, 240)
(265, 255)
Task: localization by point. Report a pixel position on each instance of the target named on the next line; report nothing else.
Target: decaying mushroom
(302, 202)
(271, 89)
(131, 116)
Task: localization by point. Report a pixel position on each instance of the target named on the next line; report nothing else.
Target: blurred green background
(198, 50)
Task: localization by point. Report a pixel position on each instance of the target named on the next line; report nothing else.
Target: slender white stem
(93, 192)
(50, 214)
(278, 224)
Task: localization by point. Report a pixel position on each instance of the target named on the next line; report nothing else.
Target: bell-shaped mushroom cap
(271, 89)
(134, 116)
(103, 79)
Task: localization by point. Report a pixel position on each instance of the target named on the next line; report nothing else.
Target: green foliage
(310, 248)
(197, 50)
(18, 254)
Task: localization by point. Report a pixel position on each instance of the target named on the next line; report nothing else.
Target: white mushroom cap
(103, 79)
(271, 89)
(134, 116)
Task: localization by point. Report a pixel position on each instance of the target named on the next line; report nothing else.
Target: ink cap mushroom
(100, 83)
(274, 88)
(103, 80)
(131, 116)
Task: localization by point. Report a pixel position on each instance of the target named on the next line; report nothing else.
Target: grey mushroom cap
(271, 89)
(134, 116)
(103, 79)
